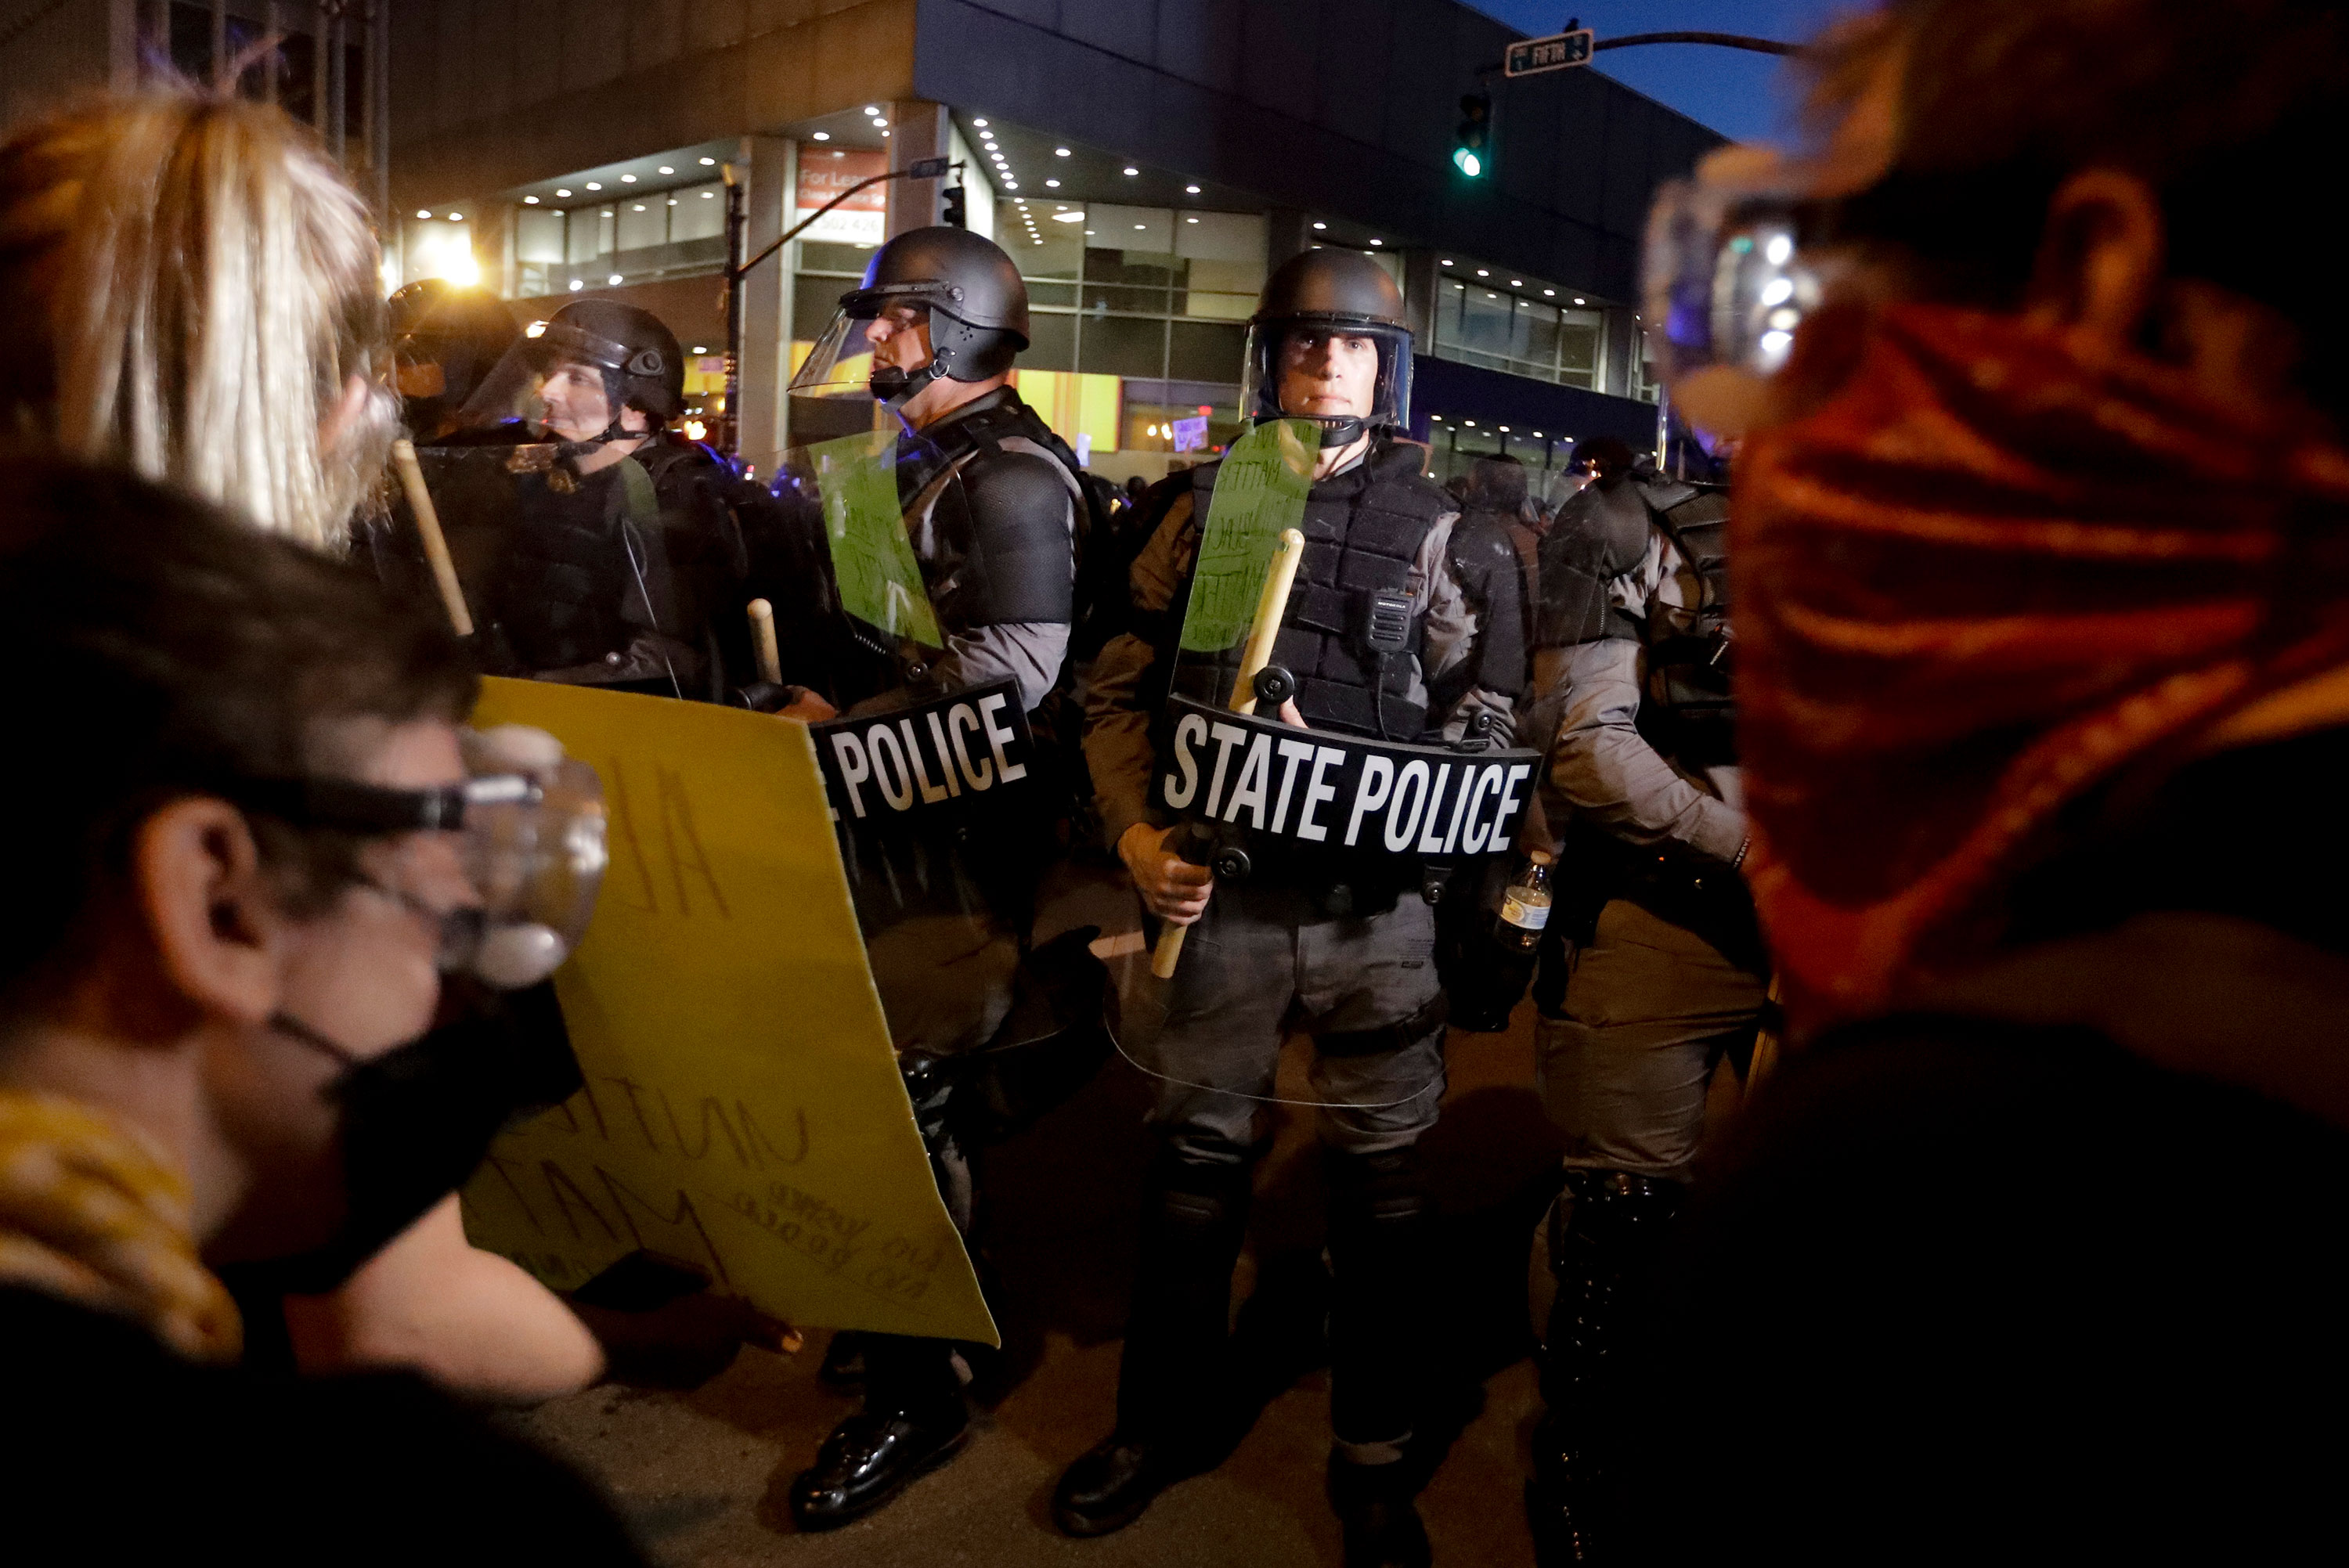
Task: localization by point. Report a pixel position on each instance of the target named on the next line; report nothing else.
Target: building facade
(1148, 161)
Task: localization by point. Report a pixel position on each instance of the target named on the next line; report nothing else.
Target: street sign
(1529, 56)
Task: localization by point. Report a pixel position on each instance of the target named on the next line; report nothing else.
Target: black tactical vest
(1600, 534)
(1352, 634)
(1687, 710)
(568, 574)
(996, 547)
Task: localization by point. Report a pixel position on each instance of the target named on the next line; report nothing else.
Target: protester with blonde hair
(203, 290)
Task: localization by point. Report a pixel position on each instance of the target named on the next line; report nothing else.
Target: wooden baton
(762, 642)
(428, 528)
(1271, 606)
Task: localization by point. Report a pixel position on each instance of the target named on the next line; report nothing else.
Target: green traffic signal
(1468, 143)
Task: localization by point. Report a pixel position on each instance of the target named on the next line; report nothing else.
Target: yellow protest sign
(742, 1110)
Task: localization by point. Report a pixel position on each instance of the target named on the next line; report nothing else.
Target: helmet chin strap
(1343, 431)
(896, 387)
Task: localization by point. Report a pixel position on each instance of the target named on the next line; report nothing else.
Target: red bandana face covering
(1995, 572)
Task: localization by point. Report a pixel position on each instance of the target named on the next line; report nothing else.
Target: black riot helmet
(445, 340)
(1319, 294)
(634, 350)
(978, 317)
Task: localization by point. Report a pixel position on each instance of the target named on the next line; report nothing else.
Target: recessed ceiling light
(878, 120)
(563, 192)
(709, 195)
(698, 349)
(1011, 185)
(884, 136)
(1087, 231)
(1131, 170)
(1190, 190)
(708, 162)
(530, 200)
(628, 180)
(1436, 418)
(1190, 219)
(1377, 242)
(594, 185)
(672, 201)
(823, 136)
(1537, 435)
(980, 123)
(1470, 423)
(1445, 263)
(1516, 283)
(1578, 300)
(873, 109)
(638, 207)
(1051, 185)
(614, 279)
(1059, 153)
(1320, 225)
(1549, 293)
(422, 214)
(664, 169)
(1482, 272)
(1504, 429)
(1492, 296)
(1142, 225)
(577, 285)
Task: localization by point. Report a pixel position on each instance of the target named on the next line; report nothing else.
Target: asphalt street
(702, 1473)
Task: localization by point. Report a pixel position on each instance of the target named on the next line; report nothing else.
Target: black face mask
(415, 1122)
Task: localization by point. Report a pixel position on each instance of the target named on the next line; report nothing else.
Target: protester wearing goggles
(224, 1041)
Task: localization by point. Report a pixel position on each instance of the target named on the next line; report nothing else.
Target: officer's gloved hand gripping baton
(1270, 607)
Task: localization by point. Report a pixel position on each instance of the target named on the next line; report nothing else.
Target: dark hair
(2228, 113)
(162, 648)
(1607, 454)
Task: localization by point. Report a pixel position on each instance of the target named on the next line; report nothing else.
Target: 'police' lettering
(921, 756)
(1403, 798)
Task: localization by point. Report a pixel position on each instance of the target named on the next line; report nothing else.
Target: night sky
(1739, 94)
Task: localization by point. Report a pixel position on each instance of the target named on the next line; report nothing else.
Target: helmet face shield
(831, 391)
(1345, 374)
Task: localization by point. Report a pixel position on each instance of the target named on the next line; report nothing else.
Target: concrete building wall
(488, 93)
(1301, 99)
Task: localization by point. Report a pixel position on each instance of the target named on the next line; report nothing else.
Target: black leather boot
(1379, 1521)
(1379, 1261)
(914, 1420)
(1613, 1226)
(1174, 1397)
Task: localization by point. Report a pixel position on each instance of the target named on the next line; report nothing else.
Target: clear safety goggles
(1726, 281)
(506, 864)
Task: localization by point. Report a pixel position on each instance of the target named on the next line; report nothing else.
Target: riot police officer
(602, 547)
(445, 341)
(1657, 969)
(993, 506)
(1384, 640)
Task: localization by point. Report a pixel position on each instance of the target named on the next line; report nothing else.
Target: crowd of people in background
(1917, 735)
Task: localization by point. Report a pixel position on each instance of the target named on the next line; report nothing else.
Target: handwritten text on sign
(956, 748)
(1316, 788)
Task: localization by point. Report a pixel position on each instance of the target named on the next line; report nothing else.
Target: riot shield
(943, 802)
(1347, 821)
(566, 560)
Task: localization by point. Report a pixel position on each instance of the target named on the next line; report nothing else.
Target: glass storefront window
(1477, 324)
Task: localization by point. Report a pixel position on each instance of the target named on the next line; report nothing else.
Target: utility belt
(1343, 825)
(1679, 886)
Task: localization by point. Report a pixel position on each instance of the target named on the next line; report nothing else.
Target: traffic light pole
(737, 270)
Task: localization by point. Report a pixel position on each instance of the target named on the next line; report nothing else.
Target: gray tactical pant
(1252, 969)
(1651, 1009)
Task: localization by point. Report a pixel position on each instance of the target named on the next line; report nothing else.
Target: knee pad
(1609, 1212)
(1199, 1196)
(1388, 1188)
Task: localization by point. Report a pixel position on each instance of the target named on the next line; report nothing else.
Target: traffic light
(956, 212)
(1469, 143)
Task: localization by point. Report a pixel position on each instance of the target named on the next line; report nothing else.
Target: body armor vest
(1688, 711)
(1353, 633)
(569, 578)
(1600, 534)
(1021, 523)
